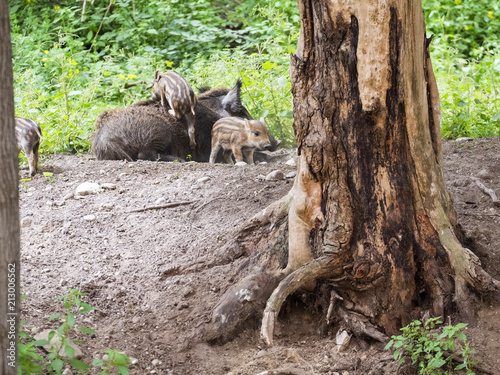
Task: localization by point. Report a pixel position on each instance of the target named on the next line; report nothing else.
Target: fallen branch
(284, 371)
(168, 205)
(485, 190)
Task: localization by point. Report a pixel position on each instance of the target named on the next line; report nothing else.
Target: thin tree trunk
(9, 206)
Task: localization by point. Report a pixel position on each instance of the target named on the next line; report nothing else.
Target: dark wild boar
(147, 131)
(240, 137)
(29, 136)
(173, 88)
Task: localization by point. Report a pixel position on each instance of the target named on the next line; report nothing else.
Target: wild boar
(239, 137)
(145, 130)
(29, 136)
(173, 88)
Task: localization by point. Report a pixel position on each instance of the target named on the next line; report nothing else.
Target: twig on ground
(488, 191)
(206, 204)
(168, 205)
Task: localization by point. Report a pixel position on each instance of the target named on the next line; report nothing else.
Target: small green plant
(113, 359)
(48, 176)
(60, 348)
(431, 350)
(23, 183)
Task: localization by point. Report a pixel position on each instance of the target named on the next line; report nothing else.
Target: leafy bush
(430, 350)
(470, 26)
(59, 342)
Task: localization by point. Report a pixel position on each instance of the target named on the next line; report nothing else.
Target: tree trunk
(369, 209)
(9, 206)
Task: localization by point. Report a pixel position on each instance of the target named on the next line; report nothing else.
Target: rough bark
(9, 204)
(369, 209)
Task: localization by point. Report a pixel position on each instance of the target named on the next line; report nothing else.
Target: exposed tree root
(360, 326)
(303, 277)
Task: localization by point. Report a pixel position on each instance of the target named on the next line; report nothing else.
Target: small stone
(107, 206)
(463, 139)
(342, 339)
(133, 361)
(90, 217)
(291, 174)
(26, 222)
(260, 177)
(203, 179)
(105, 357)
(87, 188)
(160, 200)
(63, 282)
(484, 174)
(156, 362)
(49, 203)
(291, 162)
(67, 372)
(68, 196)
(275, 175)
(263, 163)
(108, 186)
(56, 342)
(240, 164)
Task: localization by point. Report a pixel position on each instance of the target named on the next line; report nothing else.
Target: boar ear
(232, 101)
(247, 125)
(157, 76)
(262, 120)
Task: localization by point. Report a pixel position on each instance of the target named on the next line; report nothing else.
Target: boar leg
(215, 150)
(227, 155)
(249, 155)
(191, 120)
(35, 156)
(237, 154)
(31, 161)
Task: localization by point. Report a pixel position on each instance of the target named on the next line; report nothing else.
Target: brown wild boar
(146, 130)
(29, 136)
(173, 88)
(239, 137)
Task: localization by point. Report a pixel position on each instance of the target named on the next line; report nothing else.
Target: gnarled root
(303, 277)
(240, 302)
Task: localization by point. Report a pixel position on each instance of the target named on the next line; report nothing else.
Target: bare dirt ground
(153, 276)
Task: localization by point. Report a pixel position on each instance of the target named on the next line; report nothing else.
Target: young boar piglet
(239, 137)
(29, 136)
(173, 88)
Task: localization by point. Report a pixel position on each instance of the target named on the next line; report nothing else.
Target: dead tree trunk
(369, 209)
(9, 206)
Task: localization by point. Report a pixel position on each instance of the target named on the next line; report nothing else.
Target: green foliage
(67, 71)
(59, 342)
(469, 93)
(470, 26)
(430, 348)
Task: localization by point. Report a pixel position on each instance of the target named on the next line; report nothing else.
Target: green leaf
(152, 31)
(123, 370)
(71, 320)
(56, 316)
(79, 365)
(461, 366)
(268, 65)
(396, 354)
(57, 365)
(389, 344)
(461, 326)
(86, 330)
(41, 342)
(97, 362)
(69, 350)
(461, 336)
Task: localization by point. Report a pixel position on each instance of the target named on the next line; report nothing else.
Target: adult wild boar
(147, 131)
